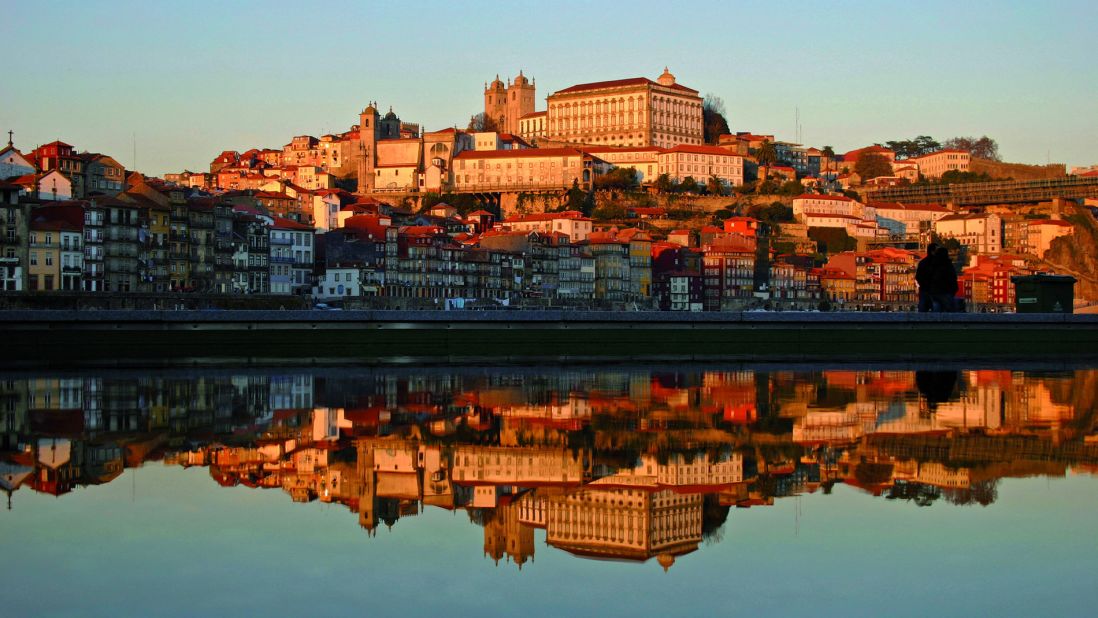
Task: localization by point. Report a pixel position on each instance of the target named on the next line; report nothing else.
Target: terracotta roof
(288, 224)
(813, 196)
(710, 150)
(573, 215)
(533, 115)
(1050, 222)
(618, 83)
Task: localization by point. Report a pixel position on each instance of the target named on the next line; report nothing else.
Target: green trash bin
(1043, 293)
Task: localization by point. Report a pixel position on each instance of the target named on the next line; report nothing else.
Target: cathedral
(505, 104)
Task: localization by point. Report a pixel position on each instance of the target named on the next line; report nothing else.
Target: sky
(184, 81)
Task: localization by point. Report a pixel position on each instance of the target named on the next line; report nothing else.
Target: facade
(702, 162)
(532, 126)
(530, 169)
(570, 222)
(935, 164)
(1040, 234)
(907, 219)
(982, 233)
(630, 112)
(291, 259)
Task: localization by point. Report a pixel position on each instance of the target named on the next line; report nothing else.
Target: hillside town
(629, 194)
(624, 464)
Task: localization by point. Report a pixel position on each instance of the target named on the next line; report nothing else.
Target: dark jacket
(943, 278)
(924, 273)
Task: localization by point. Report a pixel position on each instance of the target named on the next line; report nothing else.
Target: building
(532, 169)
(13, 238)
(532, 126)
(507, 104)
(56, 254)
(570, 222)
(935, 164)
(1042, 232)
(982, 233)
(702, 163)
(907, 219)
(626, 113)
(291, 259)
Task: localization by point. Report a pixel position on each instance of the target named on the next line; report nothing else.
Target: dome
(667, 79)
(496, 85)
(521, 80)
(390, 115)
(665, 560)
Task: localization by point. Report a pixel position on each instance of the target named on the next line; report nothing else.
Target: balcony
(179, 236)
(14, 239)
(282, 259)
(179, 255)
(281, 241)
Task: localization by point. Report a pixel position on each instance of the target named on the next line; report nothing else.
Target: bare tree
(714, 122)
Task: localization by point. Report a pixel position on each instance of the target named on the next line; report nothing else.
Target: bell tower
(367, 145)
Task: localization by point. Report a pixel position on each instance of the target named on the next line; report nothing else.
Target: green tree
(610, 211)
(828, 152)
(715, 186)
(689, 185)
(664, 184)
(871, 165)
(481, 122)
(714, 123)
(791, 188)
(832, 240)
(767, 187)
(979, 147)
(619, 179)
(766, 154)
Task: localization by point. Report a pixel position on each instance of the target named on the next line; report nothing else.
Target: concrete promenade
(168, 338)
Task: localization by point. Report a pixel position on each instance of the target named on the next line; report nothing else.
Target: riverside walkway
(167, 338)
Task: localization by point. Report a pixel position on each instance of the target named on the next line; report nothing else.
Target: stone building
(626, 112)
(505, 105)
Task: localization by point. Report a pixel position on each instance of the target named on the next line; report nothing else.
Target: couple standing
(937, 281)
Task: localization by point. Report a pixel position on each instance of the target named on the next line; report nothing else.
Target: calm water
(597, 491)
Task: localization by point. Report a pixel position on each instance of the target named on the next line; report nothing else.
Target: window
(34, 259)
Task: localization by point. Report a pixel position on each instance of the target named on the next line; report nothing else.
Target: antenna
(135, 151)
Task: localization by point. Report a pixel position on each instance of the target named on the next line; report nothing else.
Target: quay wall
(154, 338)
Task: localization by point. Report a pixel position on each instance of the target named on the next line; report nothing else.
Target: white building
(701, 162)
(982, 233)
(337, 283)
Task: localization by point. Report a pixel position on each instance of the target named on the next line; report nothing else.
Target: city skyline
(1029, 93)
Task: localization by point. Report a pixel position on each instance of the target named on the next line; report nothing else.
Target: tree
(482, 122)
(714, 123)
(578, 199)
(871, 165)
(766, 154)
(619, 179)
(664, 183)
(608, 212)
(689, 185)
(832, 239)
(921, 145)
(828, 152)
(791, 188)
(776, 212)
(715, 186)
(981, 148)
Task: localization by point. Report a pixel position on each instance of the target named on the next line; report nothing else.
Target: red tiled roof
(287, 224)
(533, 115)
(710, 150)
(813, 196)
(1050, 222)
(618, 83)
(573, 215)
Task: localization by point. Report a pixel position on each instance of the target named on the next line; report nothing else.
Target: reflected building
(623, 463)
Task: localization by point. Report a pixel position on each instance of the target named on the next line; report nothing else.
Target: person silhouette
(923, 277)
(943, 288)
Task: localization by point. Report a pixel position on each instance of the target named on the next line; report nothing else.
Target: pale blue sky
(193, 78)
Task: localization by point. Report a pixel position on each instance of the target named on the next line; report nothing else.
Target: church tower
(367, 148)
(520, 101)
(495, 102)
(505, 104)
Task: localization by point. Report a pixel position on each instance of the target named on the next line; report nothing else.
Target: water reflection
(625, 463)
